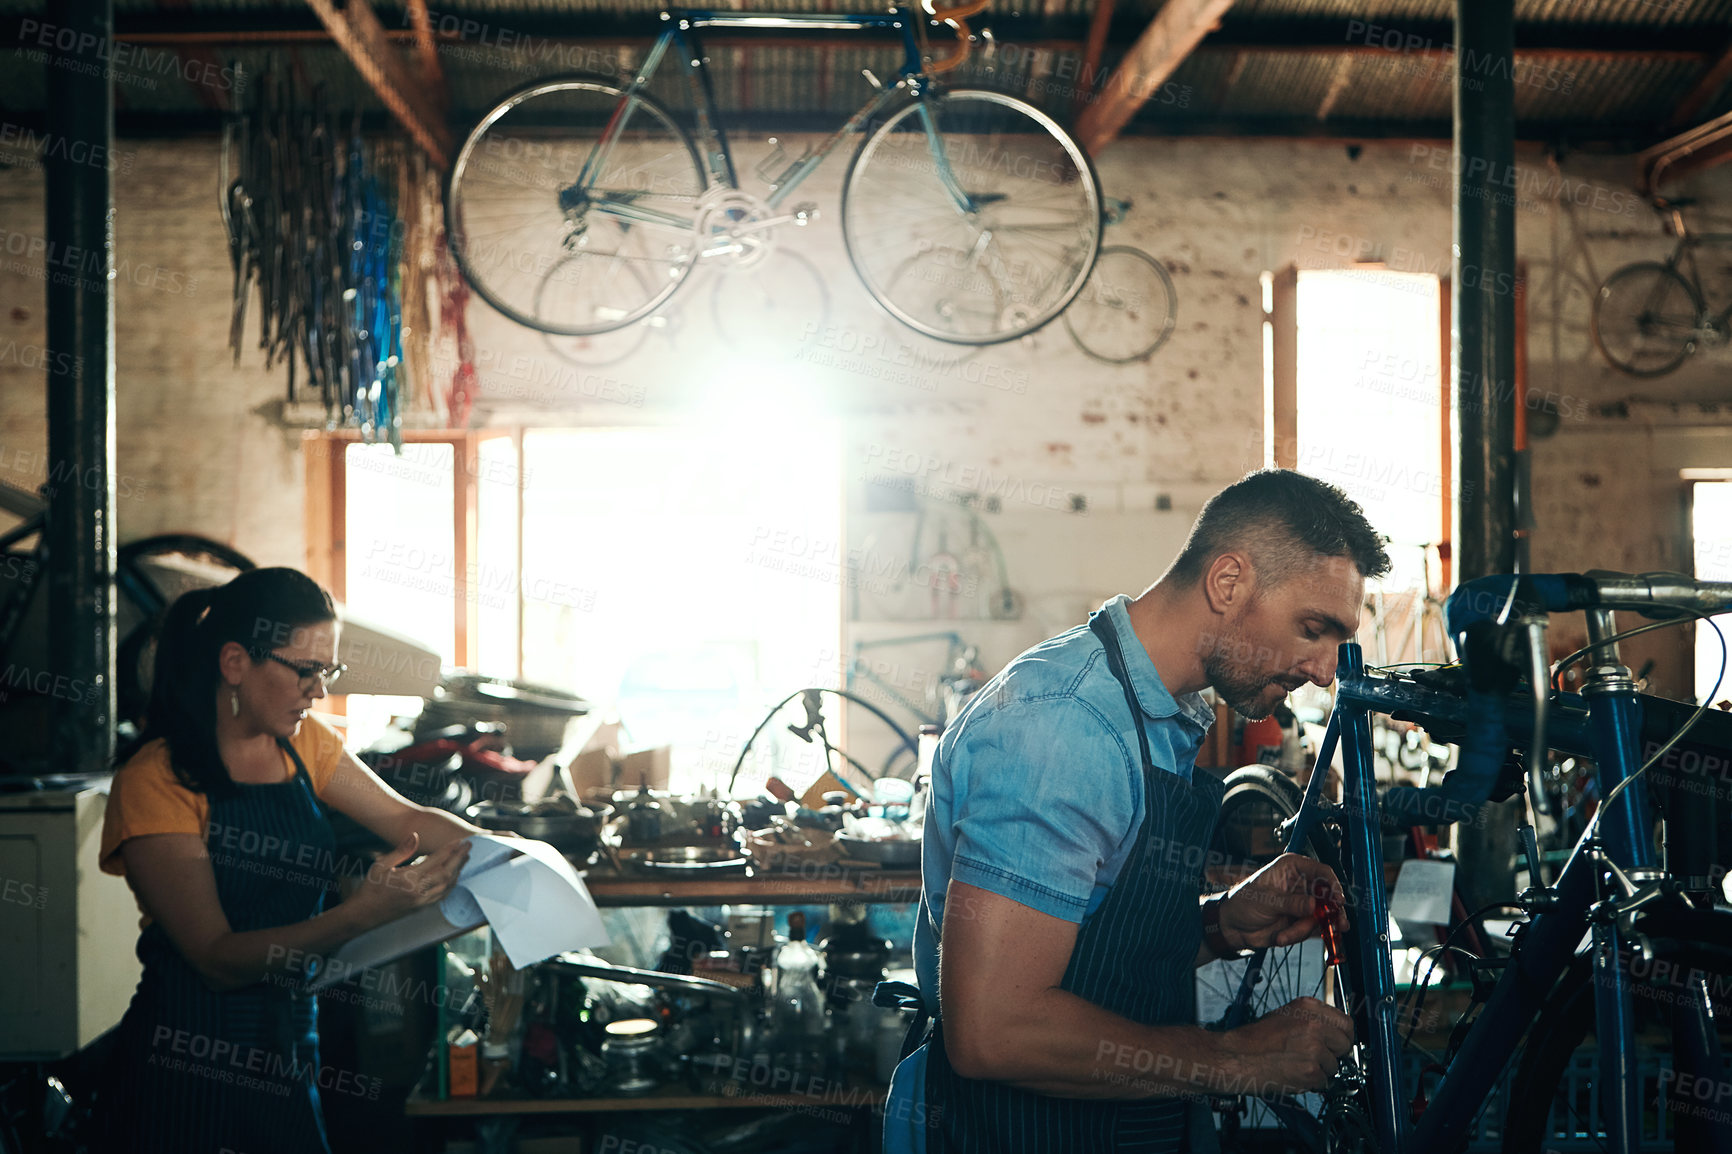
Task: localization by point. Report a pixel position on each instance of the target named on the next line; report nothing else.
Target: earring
(234, 703)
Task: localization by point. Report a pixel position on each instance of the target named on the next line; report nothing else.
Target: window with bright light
(1369, 419)
(686, 579)
(683, 578)
(400, 559)
(1711, 526)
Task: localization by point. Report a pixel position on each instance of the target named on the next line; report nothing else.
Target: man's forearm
(1067, 1047)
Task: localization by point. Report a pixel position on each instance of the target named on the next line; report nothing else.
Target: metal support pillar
(80, 262)
(1482, 338)
(1483, 358)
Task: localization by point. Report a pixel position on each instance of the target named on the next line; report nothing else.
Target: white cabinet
(67, 930)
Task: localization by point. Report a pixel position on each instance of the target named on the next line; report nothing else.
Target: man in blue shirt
(1061, 914)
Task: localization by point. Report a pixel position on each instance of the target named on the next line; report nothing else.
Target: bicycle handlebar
(1499, 626)
(1503, 599)
(957, 19)
(1661, 590)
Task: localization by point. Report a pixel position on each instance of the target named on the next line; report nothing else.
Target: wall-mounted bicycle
(580, 203)
(1650, 315)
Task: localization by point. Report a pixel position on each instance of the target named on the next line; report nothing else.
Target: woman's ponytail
(258, 610)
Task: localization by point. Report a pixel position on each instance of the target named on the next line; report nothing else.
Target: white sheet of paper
(536, 903)
(1422, 891)
(391, 941)
(459, 906)
(540, 880)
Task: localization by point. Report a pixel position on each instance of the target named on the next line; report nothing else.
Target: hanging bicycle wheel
(564, 235)
(1555, 1099)
(1247, 837)
(603, 348)
(971, 217)
(1126, 310)
(1645, 319)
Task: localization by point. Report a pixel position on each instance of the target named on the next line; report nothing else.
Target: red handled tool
(1325, 912)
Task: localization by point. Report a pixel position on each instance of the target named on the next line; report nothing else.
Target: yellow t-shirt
(148, 798)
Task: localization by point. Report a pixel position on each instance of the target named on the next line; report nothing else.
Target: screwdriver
(1325, 911)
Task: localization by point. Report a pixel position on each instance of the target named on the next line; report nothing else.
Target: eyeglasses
(312, 670)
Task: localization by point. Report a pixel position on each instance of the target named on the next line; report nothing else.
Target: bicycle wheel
(1554, 1100)
(1127, 310)
(603, 348)
(1257, 801)
(562, 249)
(999, 205)
(1645, 319)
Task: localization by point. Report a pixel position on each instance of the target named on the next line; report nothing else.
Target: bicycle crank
(736, 224)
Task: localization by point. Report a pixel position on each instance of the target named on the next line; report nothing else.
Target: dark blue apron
(1134, 956)
(202, 1072)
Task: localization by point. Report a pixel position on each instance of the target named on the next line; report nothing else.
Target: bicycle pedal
(805, 213)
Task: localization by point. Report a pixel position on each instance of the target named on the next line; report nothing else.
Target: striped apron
(1134, 956)
(201, 1072)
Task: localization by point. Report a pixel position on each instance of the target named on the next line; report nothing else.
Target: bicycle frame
(1603, 726)
(682, 35)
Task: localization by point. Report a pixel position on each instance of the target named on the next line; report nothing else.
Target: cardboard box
(645, 767)
(463, 1065)
(598, 772)
(592, 771)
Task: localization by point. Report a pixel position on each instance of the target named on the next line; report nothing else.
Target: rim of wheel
(1078, 157)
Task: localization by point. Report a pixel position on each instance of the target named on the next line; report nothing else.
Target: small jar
(631, 1051)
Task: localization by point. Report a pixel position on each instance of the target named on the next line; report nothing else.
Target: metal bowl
(574, 832)
(891, 853)
(702, 860)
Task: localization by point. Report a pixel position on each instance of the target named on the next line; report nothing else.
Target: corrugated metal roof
(1275, 66)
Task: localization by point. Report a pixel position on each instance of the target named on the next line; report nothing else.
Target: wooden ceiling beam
(1703, 93)
(1171, 36)
(1100, 24)
(427, 55)
(356, 29)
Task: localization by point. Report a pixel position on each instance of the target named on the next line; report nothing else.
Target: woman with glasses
(217, 821)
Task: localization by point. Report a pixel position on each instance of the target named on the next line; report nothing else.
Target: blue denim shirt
(1037, 788)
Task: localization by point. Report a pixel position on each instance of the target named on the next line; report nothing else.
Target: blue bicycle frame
(1602, 723)
(682, 34)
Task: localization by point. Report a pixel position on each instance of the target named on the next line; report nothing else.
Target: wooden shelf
(676, 1097)
(829, 885)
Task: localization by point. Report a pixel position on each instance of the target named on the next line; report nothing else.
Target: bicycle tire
(1542, 1083)
(1638, 323)
(1126, 310)
(1257, 801)
(508, 241)
(1036, 248)
(593, 350)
